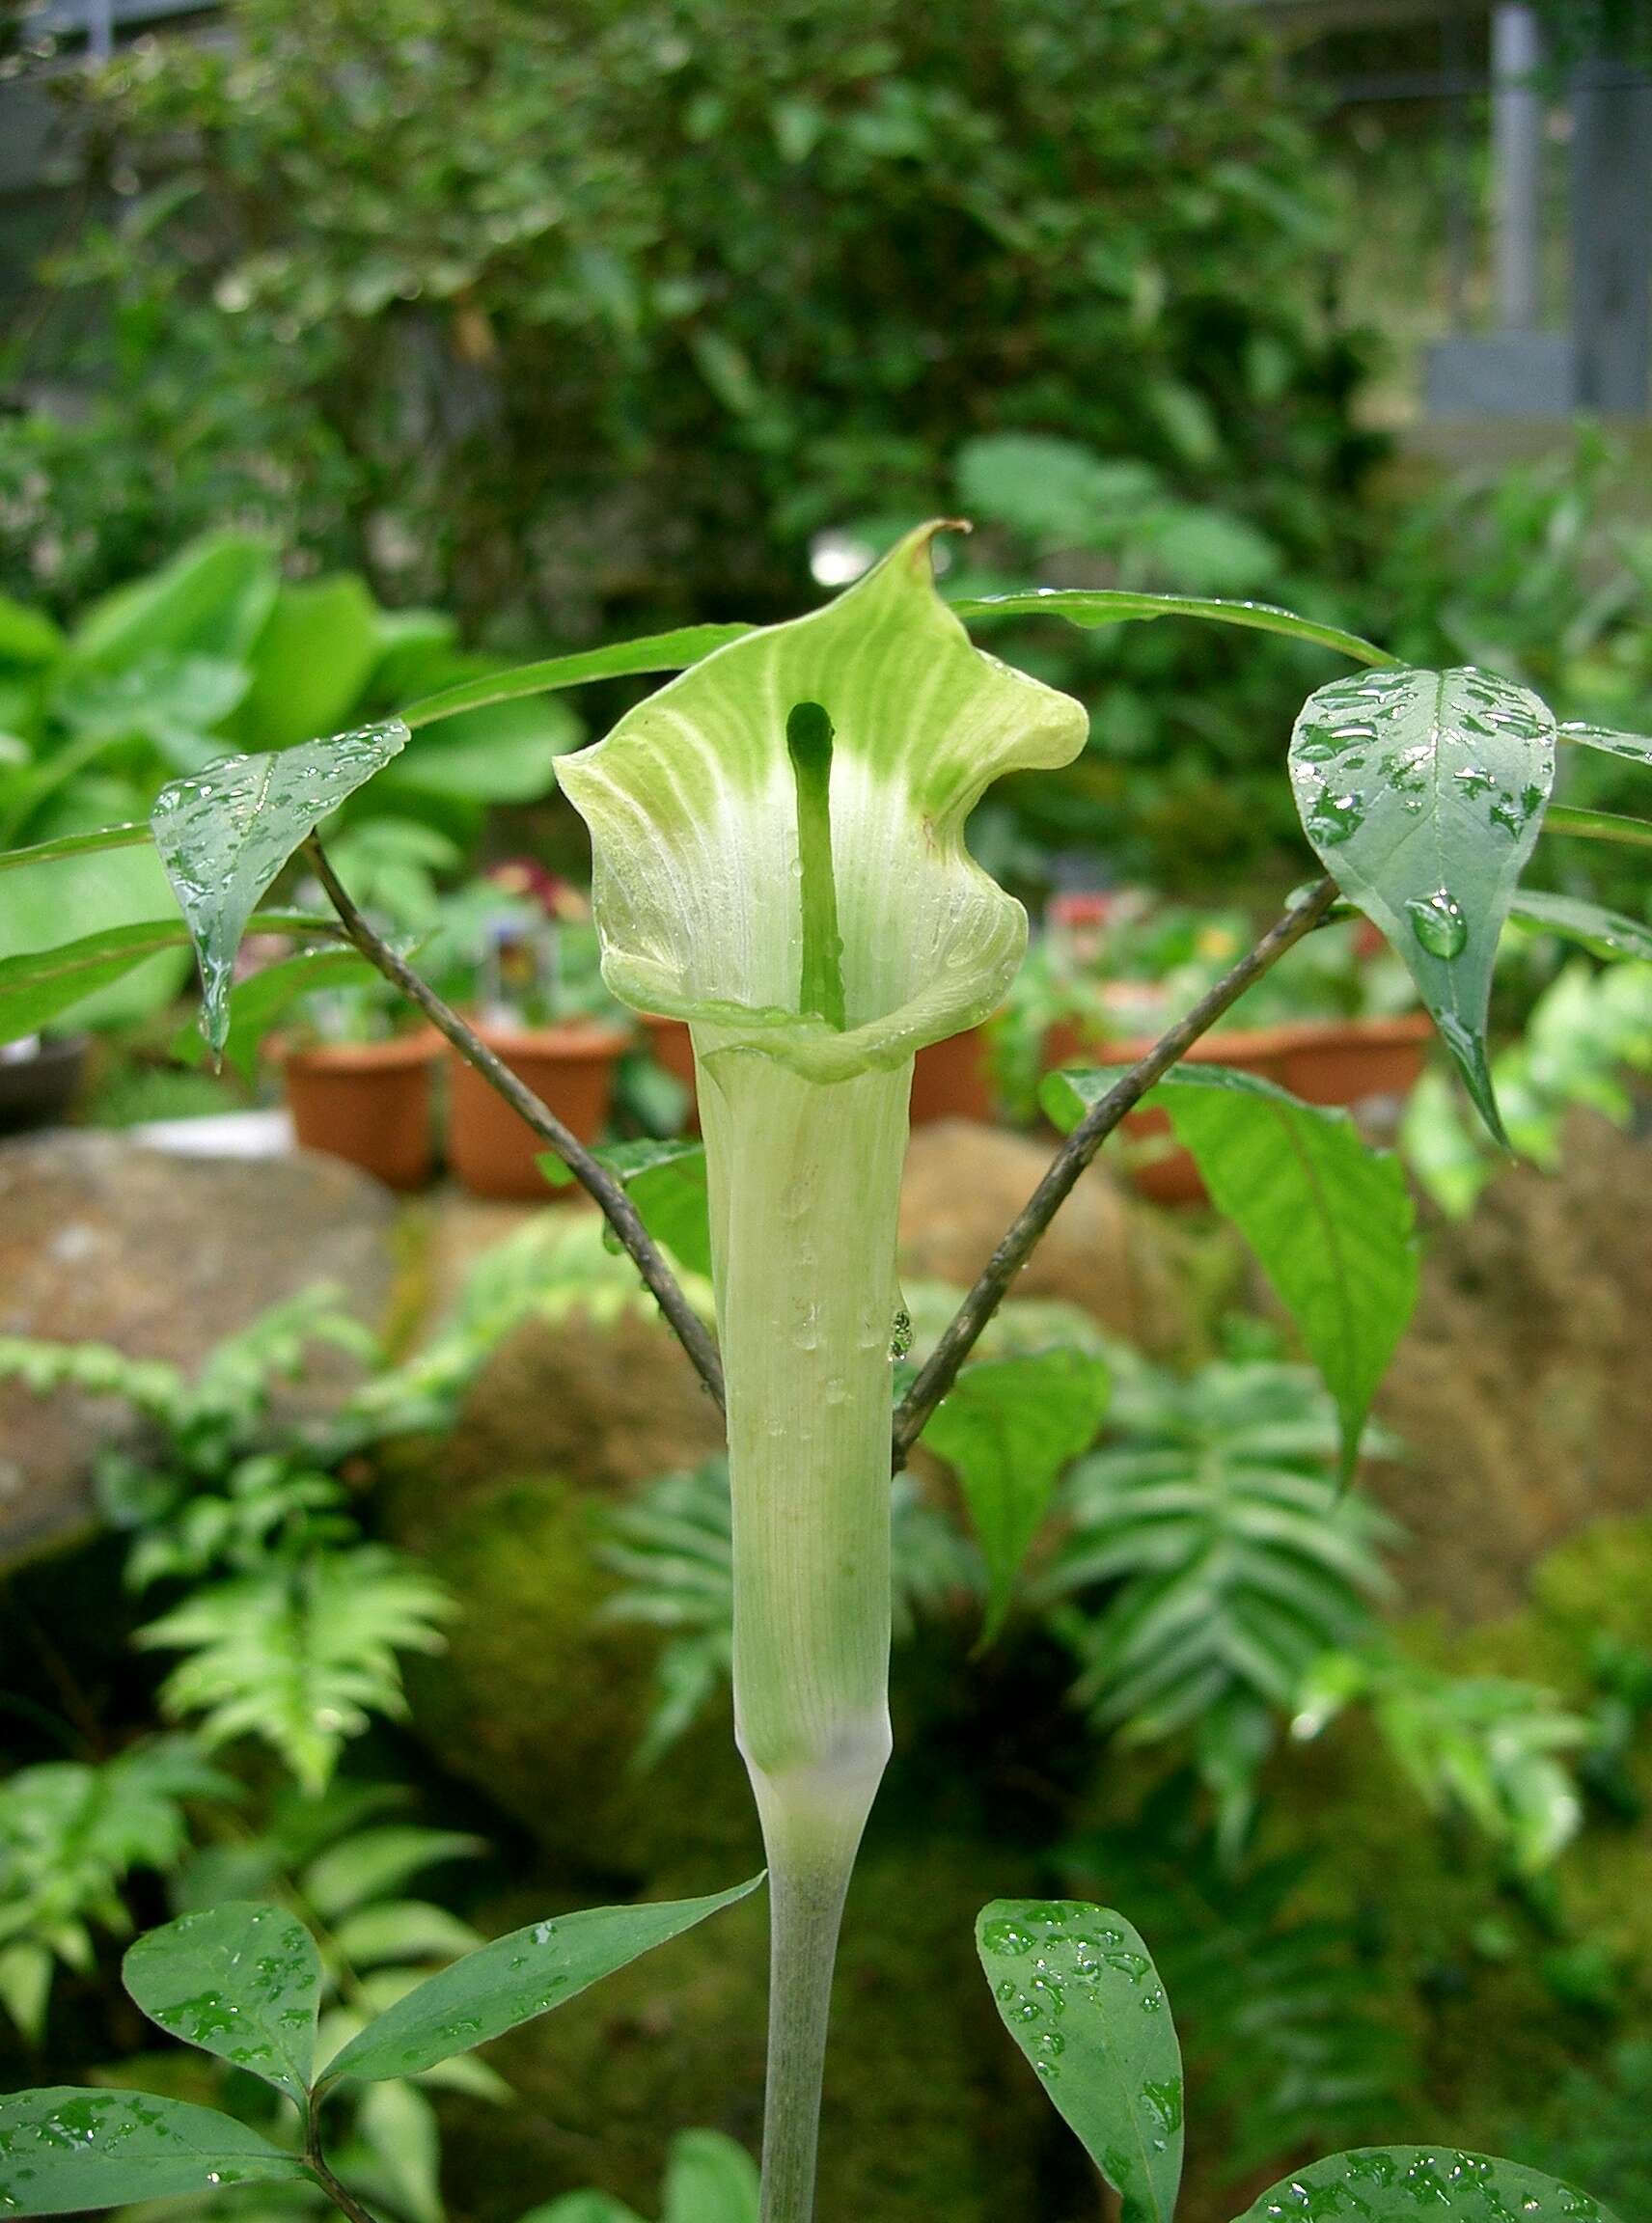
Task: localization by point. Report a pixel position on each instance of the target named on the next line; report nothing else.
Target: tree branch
(593, 1176)
(941, 1369)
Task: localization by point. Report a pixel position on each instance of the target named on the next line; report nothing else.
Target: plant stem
(340, 2195)
(940, 1370)
(593, 1176)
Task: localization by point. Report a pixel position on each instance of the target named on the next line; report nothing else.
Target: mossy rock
(541, 1703)
(929, 2112)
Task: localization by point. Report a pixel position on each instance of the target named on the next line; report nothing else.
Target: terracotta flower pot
(671, 1046)
(952, 1079)
(367, 1102)
(1355, 1060)
(493, 1149)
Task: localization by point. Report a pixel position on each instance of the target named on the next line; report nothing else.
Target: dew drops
(900, 1334)
(1438, 923)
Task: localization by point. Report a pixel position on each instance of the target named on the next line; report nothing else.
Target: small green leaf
(311, 662)
(657, 652)
(211, 599)
(1598, 826)
(583, 2207)
(666, 1181)
(63, 2151)
(37, 986)
(403, 1930)
(1423, 793)
(1080, 1996)
(1330, 1218)
(240, 1981)
(266, 996)
(1608, 934)
(225, 834)
(1636, 748)
(27, 636)
(1007, 1428)
(709, 2179)
(1396, 2184)
(510, 1981)
(367, 1864)
(75, 845)
(1094, 606)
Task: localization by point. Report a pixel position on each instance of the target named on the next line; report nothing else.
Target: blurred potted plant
(39, 1076)
(356, 1089)
(527, 947)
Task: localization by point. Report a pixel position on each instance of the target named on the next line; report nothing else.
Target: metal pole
(1517, 158)
(1611, 234)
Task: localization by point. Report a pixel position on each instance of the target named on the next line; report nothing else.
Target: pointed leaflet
(41, 985)
(1080, 1996)
(63, 2151)
(1094, 606)
(240, 1981)
(1423, 793)
(692, 802)
(1007, 1428)
(75, 845)
(1398, 2183)
(1608, 934)
(1599, 826)
(510, 1981)
(1634, 747)
(225, 834)
(622, 659)
(1329, 1218)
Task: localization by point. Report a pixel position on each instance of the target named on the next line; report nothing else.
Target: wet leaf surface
(240, 1981)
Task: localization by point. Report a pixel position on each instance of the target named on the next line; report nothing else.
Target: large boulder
(103, 1240)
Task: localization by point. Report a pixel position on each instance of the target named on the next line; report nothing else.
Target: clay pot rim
(572, 1039)
(397, 1053)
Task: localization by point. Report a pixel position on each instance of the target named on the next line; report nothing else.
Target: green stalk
(808, 745)
(804, 1179)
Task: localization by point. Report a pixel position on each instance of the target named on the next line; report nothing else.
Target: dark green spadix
(808, 745)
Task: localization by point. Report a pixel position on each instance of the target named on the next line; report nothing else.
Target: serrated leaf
(351, 1874)
(1007, 1428)
(1423, 793)
(513, 1980)
(666, 1181)
(1078, 1994)
(1330, 1218)
(225, 834)
(709, 2179)
(64, 2150)
(1604, 933)
(671, 651)
(1396, 2184)
(1634, 747)
(1094, 606)
(240, 1981)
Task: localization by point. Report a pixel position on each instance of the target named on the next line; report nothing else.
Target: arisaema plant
(778, 836)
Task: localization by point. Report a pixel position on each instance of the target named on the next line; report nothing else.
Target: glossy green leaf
(1598, 826)
(173, 701)
(709, 2179)
(657, 652)
(1078, 1994)
(1423, 793)
(211, 599)
(1007, 1428)
(1634, 747)
(506, 753)
(1398, 2183)
(1330, 1218)
(666, 1181)
(310, 663)
(1094, 606)
(1609, 934)
(77, 845)
(224, 835)
(513, 1979)
(75, 893)
(40, 986)
(259, 1003)
(64, 2150)
(240, 1981)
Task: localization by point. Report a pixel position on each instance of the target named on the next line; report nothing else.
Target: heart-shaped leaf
(1398, 2183)
(512, 1980)
(240, 1981)
(63, 2151)
(1424, 792)
(1007, 1427)
(1080, 1996)
(1330, 1218)
(225, 833)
